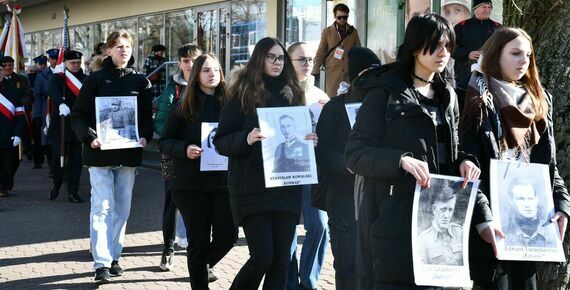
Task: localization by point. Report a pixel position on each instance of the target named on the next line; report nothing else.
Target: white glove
(64, 110)
(16, 141)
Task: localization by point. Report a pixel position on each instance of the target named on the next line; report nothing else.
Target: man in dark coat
(13, 124)
(40, 111)
(471, 34)
(63, 90)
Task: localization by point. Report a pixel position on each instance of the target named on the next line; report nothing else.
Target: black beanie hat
(359, 59)
(476, 3)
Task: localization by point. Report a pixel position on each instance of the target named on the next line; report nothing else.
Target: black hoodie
(108, 82)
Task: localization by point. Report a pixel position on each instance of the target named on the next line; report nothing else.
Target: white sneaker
(167, 261)
(183, 243)
(211, 275)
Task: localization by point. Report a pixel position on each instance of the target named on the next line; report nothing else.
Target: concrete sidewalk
(44, 245)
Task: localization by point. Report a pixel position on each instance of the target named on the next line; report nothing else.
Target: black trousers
(38, 149)
(505, 275)
(269, 237)
(72, 169)
(8, 165)
(168, 220)
(205, 215)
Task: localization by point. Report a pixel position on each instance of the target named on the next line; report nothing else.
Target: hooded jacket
(392, 124)
(108, 82)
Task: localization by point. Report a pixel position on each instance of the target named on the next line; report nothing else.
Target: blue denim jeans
(111, 194)
(314, 246)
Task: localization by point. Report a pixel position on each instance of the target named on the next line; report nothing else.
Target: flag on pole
(70, 80)
(12, 38)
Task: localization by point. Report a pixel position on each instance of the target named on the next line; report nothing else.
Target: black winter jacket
(177, 135)
(56, 84)
(107, 82)
(333, 130)
(246, 181)
(389, 125)
(483, 144)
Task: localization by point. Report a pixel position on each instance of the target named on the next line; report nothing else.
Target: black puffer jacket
(178, 134)
(107, 82)
(483, 144)
(246, 181)
(389, 125)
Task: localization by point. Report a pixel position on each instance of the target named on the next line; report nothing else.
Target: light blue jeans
(314, 248)
(111, 194)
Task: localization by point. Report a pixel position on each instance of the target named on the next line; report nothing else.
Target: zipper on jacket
(391, 190)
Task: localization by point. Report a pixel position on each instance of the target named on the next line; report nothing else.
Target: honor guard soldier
(13, 124)
(40, 111)
(63, 90)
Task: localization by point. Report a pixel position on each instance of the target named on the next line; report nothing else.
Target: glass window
(80, 40)
(179, 30)
(151, 30)
(382, 29)
(304, 22)
(248, 26)
(101, 31)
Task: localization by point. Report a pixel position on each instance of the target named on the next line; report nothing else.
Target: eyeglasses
(342, 17)
(305, 60)
(272, 58)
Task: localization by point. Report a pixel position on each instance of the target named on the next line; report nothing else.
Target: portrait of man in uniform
(116, 122)
(527, 224)
(292, 155)
(442, 242)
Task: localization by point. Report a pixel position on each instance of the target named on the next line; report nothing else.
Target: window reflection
(304, 22)
(248, 26)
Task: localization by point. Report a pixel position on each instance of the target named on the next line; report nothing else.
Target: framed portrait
(522, 204)
(440, 231)
(210, 160)
(288, 159)
(351, 111)
(117, 122)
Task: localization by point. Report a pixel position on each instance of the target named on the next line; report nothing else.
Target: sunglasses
(342, 17)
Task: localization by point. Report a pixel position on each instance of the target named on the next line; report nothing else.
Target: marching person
(43, 149)
(333, 130)
(406, 129)
(269, 216)
(306, 275)
(336, 41)
(61, 108)
(175, 89)
(111, 172)
(13, 124)
(508, 115)
(201, 197)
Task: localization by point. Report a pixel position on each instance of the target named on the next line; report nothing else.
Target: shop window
(248, 26)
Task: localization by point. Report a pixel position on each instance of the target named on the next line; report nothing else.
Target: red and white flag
(70, 80)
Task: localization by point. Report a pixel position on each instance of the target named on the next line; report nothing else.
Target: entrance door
(212, 31)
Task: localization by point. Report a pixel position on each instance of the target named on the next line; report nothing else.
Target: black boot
(54, 191)
(73, 197)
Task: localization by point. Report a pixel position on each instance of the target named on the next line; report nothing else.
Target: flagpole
(63, 90)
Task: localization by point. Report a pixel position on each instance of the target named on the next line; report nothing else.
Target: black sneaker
(102, 275)
(115, 269)
(167, 261)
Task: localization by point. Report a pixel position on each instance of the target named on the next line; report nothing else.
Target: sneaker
(167, 261)
(102, 275)
(211, 275)
(116, 269)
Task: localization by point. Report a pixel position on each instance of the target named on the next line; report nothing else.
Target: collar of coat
(109, 66)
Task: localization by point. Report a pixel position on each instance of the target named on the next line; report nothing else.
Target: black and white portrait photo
(210, 160)
(440, 227)
(289, 159)
(521, 198)
(117, 122)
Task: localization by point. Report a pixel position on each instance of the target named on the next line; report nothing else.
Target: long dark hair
(249, 87)
(190, 103)
(490, 65)
(423, 35)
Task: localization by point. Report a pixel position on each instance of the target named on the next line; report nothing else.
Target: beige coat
(336, 70)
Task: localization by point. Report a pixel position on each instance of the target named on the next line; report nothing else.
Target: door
(211, 33)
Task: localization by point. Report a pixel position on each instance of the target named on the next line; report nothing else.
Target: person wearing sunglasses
(336, 41)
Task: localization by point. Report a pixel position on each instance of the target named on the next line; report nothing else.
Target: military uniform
(443, 247)
(543, 237)
(292, 156)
